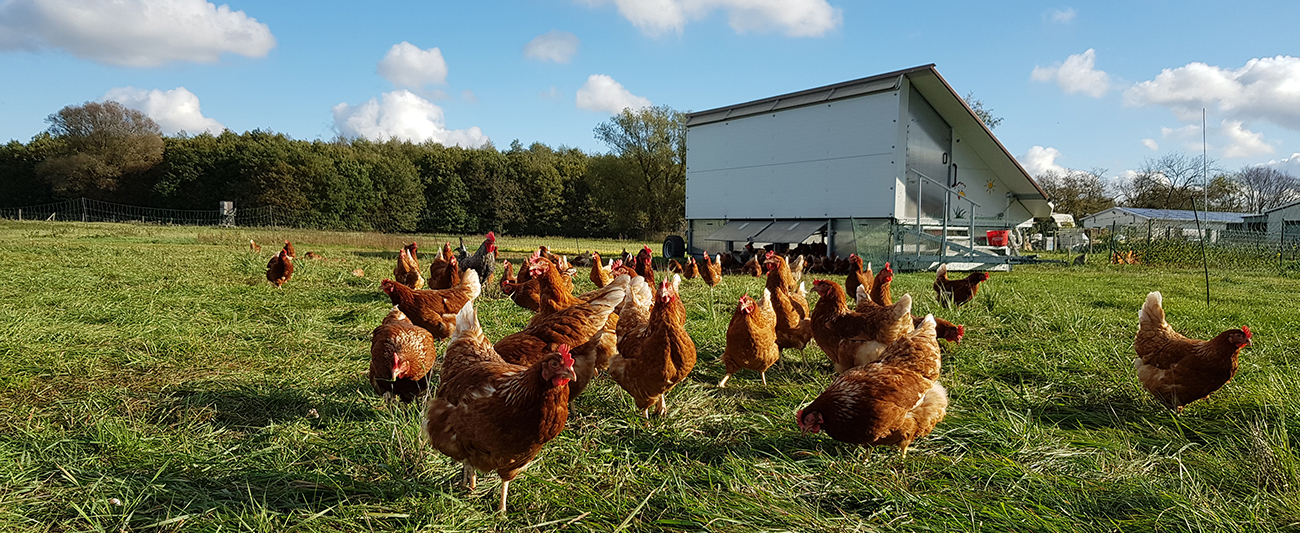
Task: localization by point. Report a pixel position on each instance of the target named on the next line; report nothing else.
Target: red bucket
(997, 237)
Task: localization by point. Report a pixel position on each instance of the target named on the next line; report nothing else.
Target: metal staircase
(923, 243)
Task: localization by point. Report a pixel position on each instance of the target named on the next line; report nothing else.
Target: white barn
(1279, 224)
(1167, 223)
(895, 167)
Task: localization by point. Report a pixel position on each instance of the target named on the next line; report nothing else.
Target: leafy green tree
(611, 177)
(1077, 192)
(495, 201)
(102, 147)
(535, 171)
(445, 194)
(19, 183)
(652, 140)
(393, 193)
(199, 171)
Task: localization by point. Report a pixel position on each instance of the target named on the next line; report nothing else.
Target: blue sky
(1103, 85)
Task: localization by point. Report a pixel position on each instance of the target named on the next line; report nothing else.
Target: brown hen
(1178, 370)
(492, 415)
(893, 401)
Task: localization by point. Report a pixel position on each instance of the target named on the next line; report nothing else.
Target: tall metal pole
(1205, 174)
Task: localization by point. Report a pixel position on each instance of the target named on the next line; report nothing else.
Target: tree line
(107, 152)
(1172, 181)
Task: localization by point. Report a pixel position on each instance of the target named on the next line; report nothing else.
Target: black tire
(674, 247)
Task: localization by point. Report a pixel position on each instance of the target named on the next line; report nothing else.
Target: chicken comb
(1246, 330)
(769, 254)
(618, 263)
(746, 303)
(565, 356)
(492, 236)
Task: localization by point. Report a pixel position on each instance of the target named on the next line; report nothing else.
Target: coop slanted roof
(1182, 214)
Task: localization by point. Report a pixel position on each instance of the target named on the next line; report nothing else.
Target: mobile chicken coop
(895, 167)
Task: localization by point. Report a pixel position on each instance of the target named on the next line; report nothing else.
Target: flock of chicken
(496, 404)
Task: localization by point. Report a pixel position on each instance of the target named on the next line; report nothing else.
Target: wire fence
(1177, 244)
(88, 210)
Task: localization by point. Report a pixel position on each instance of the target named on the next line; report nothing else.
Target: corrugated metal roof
(1281, 207)
(1182, 214)
(790, 231)
(739, 230)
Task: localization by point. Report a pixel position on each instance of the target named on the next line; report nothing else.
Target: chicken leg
(723, 383)
(468, 477)
(505, 487)
(662, 410)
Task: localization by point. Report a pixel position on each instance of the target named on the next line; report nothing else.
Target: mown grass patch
(151, 380)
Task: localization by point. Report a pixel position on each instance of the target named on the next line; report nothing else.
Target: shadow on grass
(368, 297)
(1091, 413)
(254, 406)
(199, 496)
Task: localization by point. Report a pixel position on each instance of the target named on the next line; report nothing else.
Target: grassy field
(152, 380)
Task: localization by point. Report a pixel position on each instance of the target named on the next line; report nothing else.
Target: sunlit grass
(153, 381)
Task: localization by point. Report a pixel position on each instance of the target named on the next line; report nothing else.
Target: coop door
(929, 152)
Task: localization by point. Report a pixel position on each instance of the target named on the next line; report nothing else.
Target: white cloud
(175, 111)
(1186, 132)
(1290, 165)
(552, 94)
(406, 65)
(1038, 161)
(1076, 75)
(133, 33)
(795, 18)
(1266, 88)
(555, 45)
(602, 93)
(1063, 15)
(1116, 183)
(469, 96)
(1243, 142)
(1151, 144)
(403, 115)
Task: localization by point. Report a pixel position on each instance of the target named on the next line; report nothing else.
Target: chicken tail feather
(903, 306)
(862, 295)
(466, 322)
(930, 409)
(1153, 312)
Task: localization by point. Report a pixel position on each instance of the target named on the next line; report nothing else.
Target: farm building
(1279, 223)
(1166, 223)
(895, 167)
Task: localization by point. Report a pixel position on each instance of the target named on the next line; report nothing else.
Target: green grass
(155, 367)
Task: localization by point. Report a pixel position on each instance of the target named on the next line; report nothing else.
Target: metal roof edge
(808, 96)
(1281, 207)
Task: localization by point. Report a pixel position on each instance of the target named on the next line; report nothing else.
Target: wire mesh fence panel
(1180, 245)
(88, 210)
